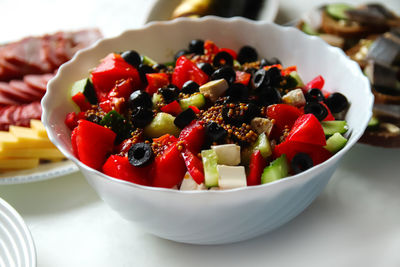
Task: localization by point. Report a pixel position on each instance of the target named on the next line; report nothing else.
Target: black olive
(222, 58)
(336, 102)
(215, 132)
(132, 57)
(301, 162)
(158, 67)
(180, 53)
(269, 96)
(140, 154)
(314, 95)
(317, 109)
(274, 61)
(225, 72)
(274, 75)
(251, 112)
(259, 79)
(169, 93)
(247, 54)
(207, 68)
(264, 62)
(238, 92)
(140, 98)
(94, 118)
(190, 87)
(230, 117)
(143, 70)
(196, 46)
(185, 118)
(141, 117)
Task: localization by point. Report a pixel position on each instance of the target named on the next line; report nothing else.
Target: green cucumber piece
(306, 28)
(331, 127)
(163, 123)
(86, 87)
(335, 143)
(262, 143)
(293, 80)
(116, 122)
(278, 169)
(197, 100)
(148, 61)
(156, 99)
(209, 159)
(338, 10)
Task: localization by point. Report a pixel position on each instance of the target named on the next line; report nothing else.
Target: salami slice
(26, 89)
(6, 100)
(18, 96)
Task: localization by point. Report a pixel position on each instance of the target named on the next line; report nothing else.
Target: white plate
(16, 243)
(163, 9)
(43, 172)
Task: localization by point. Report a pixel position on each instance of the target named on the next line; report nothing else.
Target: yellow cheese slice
(7, 139)
(33, 152)
(18, 164)
(38, 127)
(26, 138)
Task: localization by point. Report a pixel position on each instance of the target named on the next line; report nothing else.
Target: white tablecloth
(354, 222)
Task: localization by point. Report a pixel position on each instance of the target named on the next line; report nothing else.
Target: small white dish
(226, 216)
(16, 244)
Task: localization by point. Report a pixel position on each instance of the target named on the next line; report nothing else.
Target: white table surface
(354, 222)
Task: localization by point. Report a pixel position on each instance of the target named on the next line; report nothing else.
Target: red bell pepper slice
(256, 168)
(156, 81)
(123, 88)
(185, 70)
(120, 168)
(73, 141)
(168, 168)
(194, 166)
(229, 51)
(279, 66)
(195, 109)
(318, 82)
(112, 69)
(93, 143)
(193, 136)
(328, 117)
(172, 108)
(307, 129)
(210, 48)
(80, 99)
(284, 115)
(317, 153)
(243, 77)
(288, 70)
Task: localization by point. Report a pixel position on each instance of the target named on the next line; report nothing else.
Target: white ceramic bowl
(214, 217)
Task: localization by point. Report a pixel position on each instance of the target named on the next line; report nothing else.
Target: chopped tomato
(185, 70)
(318, 82)
(193, 136)
(120, 168)
(172, 108)
(80, 99)
(243, 77)
(210, 48)
(123, 88)
(328, 117)
(284, 115)
(307, 129)
(156, 81)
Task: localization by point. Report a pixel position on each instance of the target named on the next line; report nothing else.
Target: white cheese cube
(214, 89)
(231, 177)
(227, 154)
(294, 98)
(261, 125)
(189, 184)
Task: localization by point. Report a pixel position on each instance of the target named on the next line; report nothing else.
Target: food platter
(162, 10)
(44, 171)
(16, 243)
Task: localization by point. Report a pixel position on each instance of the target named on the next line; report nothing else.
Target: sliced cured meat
(20, 115)
(6, 117)
(38, 81)
(6, 100)
(26, 89)
(19, 97)
(84, 38)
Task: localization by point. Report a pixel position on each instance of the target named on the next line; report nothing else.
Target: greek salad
(213, 118)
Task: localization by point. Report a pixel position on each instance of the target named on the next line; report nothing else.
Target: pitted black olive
(169, 93)
(317, 109)
(259, 79)
(180, 53)
(140, 154)
(251, 112)
(264, 62)
(269, 96)
(215, 132)
(207, 68)
(231, 116)
(222, 58)
(141, 117)
(158, 67)
(274, 75)
(190, 87)
(225, 72)
(143, 70)
(196, 46)
(185, 118)
(301, 162)
(336, 102)
(247, 54)
(314, 95)
(274, 61)
(238, 92)
(132, 57)
(140, 98)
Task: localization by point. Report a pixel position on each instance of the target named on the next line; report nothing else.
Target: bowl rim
(308, 174)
